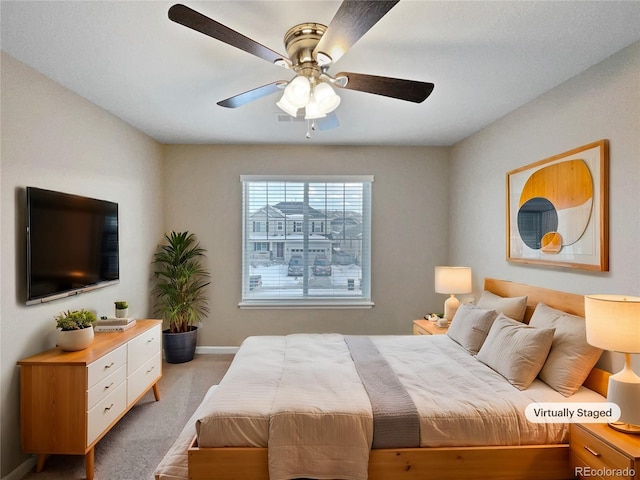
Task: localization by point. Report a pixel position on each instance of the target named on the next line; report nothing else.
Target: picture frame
(558, 210)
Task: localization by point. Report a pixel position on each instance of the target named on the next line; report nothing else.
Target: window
(315, 243)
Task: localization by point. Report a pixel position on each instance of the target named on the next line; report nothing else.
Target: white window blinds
(306, 241)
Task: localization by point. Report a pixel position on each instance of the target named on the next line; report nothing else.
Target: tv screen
(72, 244)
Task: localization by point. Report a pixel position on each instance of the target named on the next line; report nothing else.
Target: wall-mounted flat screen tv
(72, 244)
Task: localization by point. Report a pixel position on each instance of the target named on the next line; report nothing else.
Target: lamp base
(451, 307)
(626, 427)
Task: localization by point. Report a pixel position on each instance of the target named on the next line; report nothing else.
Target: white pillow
(512, 307)
(571, 358)
(470, 326)
(515, 350)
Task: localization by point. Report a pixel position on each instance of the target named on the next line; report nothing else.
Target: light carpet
(136, 444)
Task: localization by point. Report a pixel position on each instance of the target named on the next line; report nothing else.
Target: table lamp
(452, 280)
(613, 323)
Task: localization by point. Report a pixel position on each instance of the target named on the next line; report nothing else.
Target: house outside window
(316, 249)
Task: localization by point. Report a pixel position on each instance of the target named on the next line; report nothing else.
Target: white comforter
(301, 396)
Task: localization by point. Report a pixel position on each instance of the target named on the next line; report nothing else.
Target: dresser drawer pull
(592, 451)
(109, 366)
(107, 387)
(150, 340)
(106, 409)
(151, 369)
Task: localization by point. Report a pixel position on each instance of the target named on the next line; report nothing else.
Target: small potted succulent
(122, 309)
(76, 329)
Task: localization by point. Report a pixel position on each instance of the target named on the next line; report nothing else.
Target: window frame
(361, 300)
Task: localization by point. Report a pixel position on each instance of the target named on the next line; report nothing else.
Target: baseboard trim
(217, 350)
(24, 468)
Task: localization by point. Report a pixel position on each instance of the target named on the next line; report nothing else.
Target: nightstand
(598, 451)
(426, 327)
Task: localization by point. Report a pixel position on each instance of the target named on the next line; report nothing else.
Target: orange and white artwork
(557, 210)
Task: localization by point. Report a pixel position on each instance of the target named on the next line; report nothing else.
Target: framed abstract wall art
(558, 210)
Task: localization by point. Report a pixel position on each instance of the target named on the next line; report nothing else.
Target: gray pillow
(515, 350)
(571, 358)
(470, 326)
(512, 307)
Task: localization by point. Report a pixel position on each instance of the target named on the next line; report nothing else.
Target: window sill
(306, 304)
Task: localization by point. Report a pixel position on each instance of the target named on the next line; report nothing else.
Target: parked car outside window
(321, 265)
(295, 266)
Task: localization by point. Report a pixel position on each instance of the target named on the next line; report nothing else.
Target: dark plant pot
(180, 347)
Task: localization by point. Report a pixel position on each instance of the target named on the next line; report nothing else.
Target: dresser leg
(88, 464)
(42, 457)
(156, 391)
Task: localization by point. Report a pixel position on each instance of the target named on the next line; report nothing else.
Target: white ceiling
(486, 59)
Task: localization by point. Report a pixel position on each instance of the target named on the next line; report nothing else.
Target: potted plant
(180, 293)
(76, 329)
(122, 309)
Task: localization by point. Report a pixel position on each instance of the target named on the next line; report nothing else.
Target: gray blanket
(395, 418)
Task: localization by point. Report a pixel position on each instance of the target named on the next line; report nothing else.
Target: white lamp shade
(298, 91)
(613, 322)
(326, 98)
(453, 280)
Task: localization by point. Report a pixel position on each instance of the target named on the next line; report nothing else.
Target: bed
(251, 426)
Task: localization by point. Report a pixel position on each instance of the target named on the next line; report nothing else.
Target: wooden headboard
(572, 303)
(567, 302)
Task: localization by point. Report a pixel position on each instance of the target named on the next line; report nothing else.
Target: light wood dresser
(70, 400)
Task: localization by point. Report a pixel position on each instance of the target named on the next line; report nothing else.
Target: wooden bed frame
(534, 462)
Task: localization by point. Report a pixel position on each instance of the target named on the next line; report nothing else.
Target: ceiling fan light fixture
(326, 98)
(298, 91)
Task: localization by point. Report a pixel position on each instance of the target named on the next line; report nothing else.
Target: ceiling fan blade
(409, 90)
(328, 122)
(190, 18)
(353, 19)
(251, 95)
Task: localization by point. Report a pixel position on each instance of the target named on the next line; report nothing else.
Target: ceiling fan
(312, 48)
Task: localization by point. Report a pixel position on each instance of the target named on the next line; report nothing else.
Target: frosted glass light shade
(298, 91)
(613, 322)
(286, 106)
(453, 280)
(326, 98)
(311, 110)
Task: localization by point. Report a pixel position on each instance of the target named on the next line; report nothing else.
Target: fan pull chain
(311, 125)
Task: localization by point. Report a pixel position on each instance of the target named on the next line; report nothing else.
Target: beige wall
(603, 102)
(52, 138)
(409, 231)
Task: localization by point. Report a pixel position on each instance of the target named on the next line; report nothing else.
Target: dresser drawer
(142, 378)
(105, 412)
(105, 386)
(142, 348)
(589, 451)
(106, 365)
